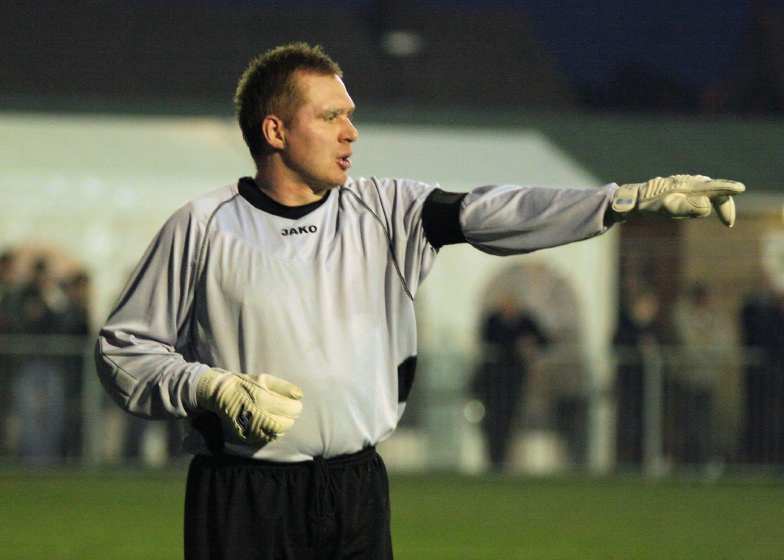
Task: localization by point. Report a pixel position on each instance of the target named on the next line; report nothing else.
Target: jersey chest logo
(301, 230)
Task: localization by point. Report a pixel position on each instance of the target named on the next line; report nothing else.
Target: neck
(285, 191)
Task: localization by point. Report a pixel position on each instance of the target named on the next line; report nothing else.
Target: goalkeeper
(277, 314)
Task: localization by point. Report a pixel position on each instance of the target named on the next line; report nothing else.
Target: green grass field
(128, 515)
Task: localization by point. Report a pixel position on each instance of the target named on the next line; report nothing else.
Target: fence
(667, 409)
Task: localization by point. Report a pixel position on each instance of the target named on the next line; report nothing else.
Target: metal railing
(443, 414)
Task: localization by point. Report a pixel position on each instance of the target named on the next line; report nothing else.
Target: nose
(351, 133)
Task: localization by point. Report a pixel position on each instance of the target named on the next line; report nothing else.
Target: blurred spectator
(76, 313)
(39, 390)
(75, 321)
(9, 291)
(762, 323)
(707, 345)
(9, 314)
(510, 338)
(637, 342)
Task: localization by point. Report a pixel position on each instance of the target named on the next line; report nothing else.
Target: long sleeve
(509, 219)
(136, 353)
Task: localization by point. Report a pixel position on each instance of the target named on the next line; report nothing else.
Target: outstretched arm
(511, 219)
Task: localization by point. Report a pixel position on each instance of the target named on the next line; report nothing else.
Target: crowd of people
(46, 335)
(715, 382)
(689, 355)
(44, 329)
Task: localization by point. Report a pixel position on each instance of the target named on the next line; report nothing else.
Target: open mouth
(344, 163)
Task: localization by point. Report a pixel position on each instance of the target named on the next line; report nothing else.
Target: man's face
(319, 136)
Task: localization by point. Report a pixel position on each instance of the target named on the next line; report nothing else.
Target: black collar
(253, 194)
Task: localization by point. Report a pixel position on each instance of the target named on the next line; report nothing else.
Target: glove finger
(258, 427)
(725, 209)
(269, 401)
(717, 187)
(277, 424)
(280, 386)
(265, 428)
(276, 404)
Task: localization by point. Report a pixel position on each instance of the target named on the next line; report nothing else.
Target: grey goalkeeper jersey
(320, 295)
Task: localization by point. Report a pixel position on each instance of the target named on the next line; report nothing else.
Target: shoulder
(207, 203)
(202, 208)
(192, 220)
(389, 190)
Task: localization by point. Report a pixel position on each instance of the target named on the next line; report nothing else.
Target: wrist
(624, 202)
(206, 387)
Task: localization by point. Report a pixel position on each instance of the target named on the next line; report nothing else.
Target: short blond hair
(268, 87)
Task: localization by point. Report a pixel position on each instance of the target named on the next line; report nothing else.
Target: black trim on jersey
(405, 378)
(253, 194)
(441, 218)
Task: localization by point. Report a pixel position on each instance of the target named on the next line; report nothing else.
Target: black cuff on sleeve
(441, 218)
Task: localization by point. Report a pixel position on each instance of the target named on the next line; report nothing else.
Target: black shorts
(247, 509)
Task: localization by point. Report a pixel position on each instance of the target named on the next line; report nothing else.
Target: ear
(274, 131)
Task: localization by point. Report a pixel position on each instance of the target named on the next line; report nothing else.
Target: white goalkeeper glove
(678, 196)
(257, 408)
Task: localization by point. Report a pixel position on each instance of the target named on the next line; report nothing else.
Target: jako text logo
(299, 230)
